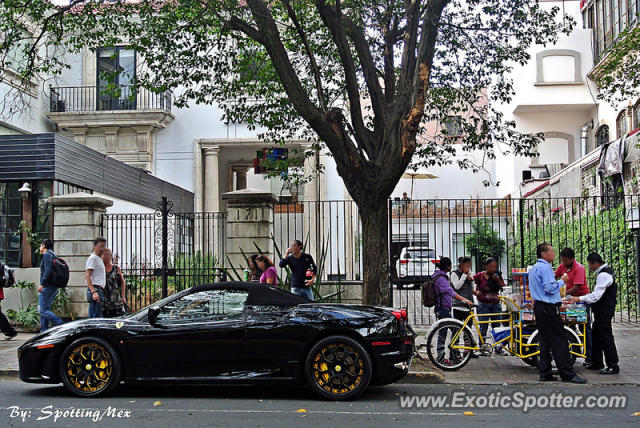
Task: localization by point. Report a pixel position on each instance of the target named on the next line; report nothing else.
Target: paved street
(251, 406)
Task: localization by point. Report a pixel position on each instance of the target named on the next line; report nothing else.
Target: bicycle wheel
(534, 339)
(439, 345)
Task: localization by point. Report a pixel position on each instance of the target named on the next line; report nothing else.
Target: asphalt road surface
(21, 405)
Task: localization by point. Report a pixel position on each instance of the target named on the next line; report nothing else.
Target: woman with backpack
(444, 291)
(444, 294)
(489, 283)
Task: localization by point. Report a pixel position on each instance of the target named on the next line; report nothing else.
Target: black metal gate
(422, 231)
(164, 252)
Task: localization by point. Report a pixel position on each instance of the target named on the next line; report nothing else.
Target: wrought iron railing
(106, 98)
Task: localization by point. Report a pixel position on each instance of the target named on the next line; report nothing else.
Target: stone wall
(249, 225)
(76, 223)
(12, 296)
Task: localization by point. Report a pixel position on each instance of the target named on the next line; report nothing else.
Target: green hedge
(585, 230)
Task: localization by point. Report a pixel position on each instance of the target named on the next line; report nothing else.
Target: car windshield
(421, 254)
(158, 303)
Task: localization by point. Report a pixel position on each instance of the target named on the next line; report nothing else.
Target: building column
(80, 135)
(211, 179)
(111, 136)
(249, 224)
(76, 223)
(241, 177)
(143, 138)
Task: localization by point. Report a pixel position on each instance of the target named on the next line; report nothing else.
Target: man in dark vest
(462, 282)
(603, 305)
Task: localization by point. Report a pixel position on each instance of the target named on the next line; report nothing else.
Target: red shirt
(577, 276)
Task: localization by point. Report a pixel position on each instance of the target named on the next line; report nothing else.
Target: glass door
(116, 76)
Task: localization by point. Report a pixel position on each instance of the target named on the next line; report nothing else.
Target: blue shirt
(542, 283)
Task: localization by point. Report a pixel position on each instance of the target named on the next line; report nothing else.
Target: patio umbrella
(418, 176)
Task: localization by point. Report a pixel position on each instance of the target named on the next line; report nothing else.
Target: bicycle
(450, 342)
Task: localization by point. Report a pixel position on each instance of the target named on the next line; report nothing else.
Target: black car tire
(90, 367)
(320, 369)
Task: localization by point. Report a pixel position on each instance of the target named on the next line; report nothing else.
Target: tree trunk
(375, 253)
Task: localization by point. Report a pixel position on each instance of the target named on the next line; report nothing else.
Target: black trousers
(5, 327)
(602, 339)
(553, 340)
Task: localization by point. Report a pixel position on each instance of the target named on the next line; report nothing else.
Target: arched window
(602, 135)
(636, 115)
(558, 66)
(621, 124)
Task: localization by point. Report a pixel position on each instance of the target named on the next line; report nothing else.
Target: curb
(422, 377)
(10, 373)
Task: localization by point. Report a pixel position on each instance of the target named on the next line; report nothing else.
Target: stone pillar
(211, 179)
(249, 224)
(76, 223)
(241, 177)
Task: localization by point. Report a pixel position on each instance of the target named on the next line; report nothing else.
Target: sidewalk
(9, 355)
(494, 370)
(498, 370)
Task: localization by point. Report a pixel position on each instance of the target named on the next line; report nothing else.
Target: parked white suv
(415, 265)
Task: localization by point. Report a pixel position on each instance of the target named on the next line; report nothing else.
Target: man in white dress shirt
(603, 305)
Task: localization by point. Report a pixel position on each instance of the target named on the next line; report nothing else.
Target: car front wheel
(338, 368)
(90, 367)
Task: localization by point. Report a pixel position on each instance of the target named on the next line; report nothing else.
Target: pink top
(270, 273)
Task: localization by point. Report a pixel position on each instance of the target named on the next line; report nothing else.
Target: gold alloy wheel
(338, 368)
(89, 367)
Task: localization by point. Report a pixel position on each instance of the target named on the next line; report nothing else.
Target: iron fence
(329, 230)
(163, 252)
(509, 230)
(106, 98)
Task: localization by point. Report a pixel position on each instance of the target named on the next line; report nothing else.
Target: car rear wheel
(338, 368)
(90, 367)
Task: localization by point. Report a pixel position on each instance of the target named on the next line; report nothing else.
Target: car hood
(60, 332)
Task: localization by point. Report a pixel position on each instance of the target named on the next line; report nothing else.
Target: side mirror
(152, 314)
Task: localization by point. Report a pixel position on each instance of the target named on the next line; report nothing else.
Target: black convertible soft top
(259, 294)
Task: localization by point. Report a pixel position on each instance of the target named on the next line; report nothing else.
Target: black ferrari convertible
(227, 333)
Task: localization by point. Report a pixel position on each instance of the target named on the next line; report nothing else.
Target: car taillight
(404, 261)
(400, 314)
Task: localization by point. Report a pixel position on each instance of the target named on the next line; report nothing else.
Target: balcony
(97, 98)
(119, 121)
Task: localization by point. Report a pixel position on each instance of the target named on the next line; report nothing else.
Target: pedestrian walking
(303, 269)
(576, 285)
(47, 291)
(269, 274)
(603, 305)
(462, 283)
(95, 277)
(114, 290)
(444, 295)
(489, 283)
(6, 329)
(545, 291)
